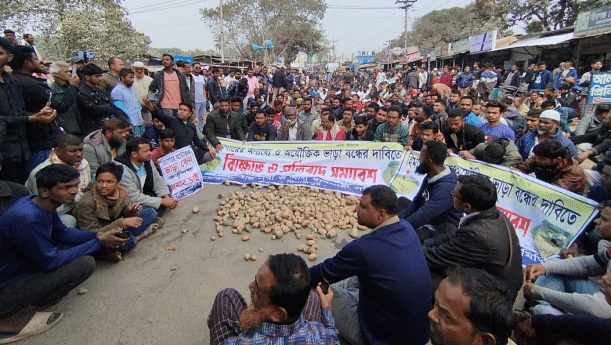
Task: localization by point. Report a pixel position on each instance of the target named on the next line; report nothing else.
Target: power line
(166, 7)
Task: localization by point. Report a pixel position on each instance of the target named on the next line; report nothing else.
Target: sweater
(433, 205)
(579, 267)
(28, 241)
(395, 289)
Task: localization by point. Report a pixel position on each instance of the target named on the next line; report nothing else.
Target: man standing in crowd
(279, 81)
(9, 35)
(14, 152)
(199, 96)
(432, 211)
(485, 238)
(143, 183)
(111, 78)
(223, 123)
(494, 129)
(171, 86)
(68, 150)
(33, 271)
(392, 131)
(542, 79)
(465, 81)
(282, 307)
(387, 283)
(65, 88)
(141, 87)
(95, 105)
(125, 99)
(461, 136)
(36, 94)
(552, 163)
(104, 145)
(213, 87)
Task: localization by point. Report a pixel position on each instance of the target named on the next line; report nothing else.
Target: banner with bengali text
(546, 218)
(179, 170)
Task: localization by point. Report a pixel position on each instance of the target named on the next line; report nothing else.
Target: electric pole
(222, 36)
(406, 4)
(333, 46)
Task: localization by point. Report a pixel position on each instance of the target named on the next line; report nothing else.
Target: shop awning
(540, 41)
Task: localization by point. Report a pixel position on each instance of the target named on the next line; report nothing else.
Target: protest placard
(181, 172)
(600, 88)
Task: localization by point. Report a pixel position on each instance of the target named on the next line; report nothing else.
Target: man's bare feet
(16, 322)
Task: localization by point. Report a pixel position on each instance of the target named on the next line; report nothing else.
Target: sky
(351, 26)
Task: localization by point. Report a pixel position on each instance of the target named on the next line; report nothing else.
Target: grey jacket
(216, 126)
(157, 85)
(131, 182)
(303, 132)
(588, 124)
(97, 151)
(512, 155)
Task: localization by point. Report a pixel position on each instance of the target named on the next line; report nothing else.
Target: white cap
(138, 64)
(550, 114)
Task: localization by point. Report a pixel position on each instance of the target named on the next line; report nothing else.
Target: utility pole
(222, 36)
(406, 4)
(333, 42)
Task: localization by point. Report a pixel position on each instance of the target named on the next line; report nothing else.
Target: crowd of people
(79, 176)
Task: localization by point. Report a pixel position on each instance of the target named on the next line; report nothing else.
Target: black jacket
(353, 136)
(14, 146)
(471, 136)
(95, 107)
(36, 92)
(214, 90)
(186, 134)
(279, 78)
(64, 101)
(149, 183)
(481, 241)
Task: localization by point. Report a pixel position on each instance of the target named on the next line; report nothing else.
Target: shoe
(159, 221)
(112, 257)
(40, 322)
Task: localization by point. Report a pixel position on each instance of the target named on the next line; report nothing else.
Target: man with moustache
(283, 309)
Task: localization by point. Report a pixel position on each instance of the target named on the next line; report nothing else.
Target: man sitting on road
(329, 130)
(283, 309)
(104, 145)
(494, 128)
(485, 238)
(143, 183)
(501, 151)
(392, 131)
(460, 135)
(432, 211)
(261, 130)
(549, 123)
(387, 282)
(294, 129)
(33, 270)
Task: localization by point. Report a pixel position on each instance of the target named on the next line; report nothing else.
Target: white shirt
(199, 81)
(293, 133)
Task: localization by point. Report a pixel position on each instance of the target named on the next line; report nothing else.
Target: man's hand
(584, 155)
(212, 152)
(132, 222)
(606, 281)
(532, 272)
(465, 154)
(528, 290)
(572, 252)
(169, 202)
(134, 208)
(45, 115)
(147, 104)
(218, 147)
(75, 80)
(325, 300)
(109, 239)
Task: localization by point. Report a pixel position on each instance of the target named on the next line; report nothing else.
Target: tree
(537, 15)
(293, 26)
(66, 26)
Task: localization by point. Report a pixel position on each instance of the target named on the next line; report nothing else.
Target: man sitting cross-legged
(34, 272)
(283, 309)
(106, 207)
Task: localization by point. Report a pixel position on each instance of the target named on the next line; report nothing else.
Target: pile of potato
(285, 209)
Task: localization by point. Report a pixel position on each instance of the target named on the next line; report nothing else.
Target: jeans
(345, 306)
(36, 158)
(563, 284)
(200, 115)
(147, 215)
(44, 289)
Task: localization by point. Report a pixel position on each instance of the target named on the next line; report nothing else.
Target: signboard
(593, 21)
(188, 59)
(365, 59)
(460, 46)
(600, 88)
(181, 172)
(508, 64)
(483, 43)
(397, 51)
(413, 57)
(546, 218)
(445, 49)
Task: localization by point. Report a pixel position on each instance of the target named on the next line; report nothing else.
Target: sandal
(151, 230)
(40, 322)
(159, 221)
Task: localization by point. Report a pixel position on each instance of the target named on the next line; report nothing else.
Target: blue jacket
(152, 135)
(527, 141)
(28, 239)
(395, 284)
(559, 80)
(543, 80)
(464, 80)
(433, 205)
